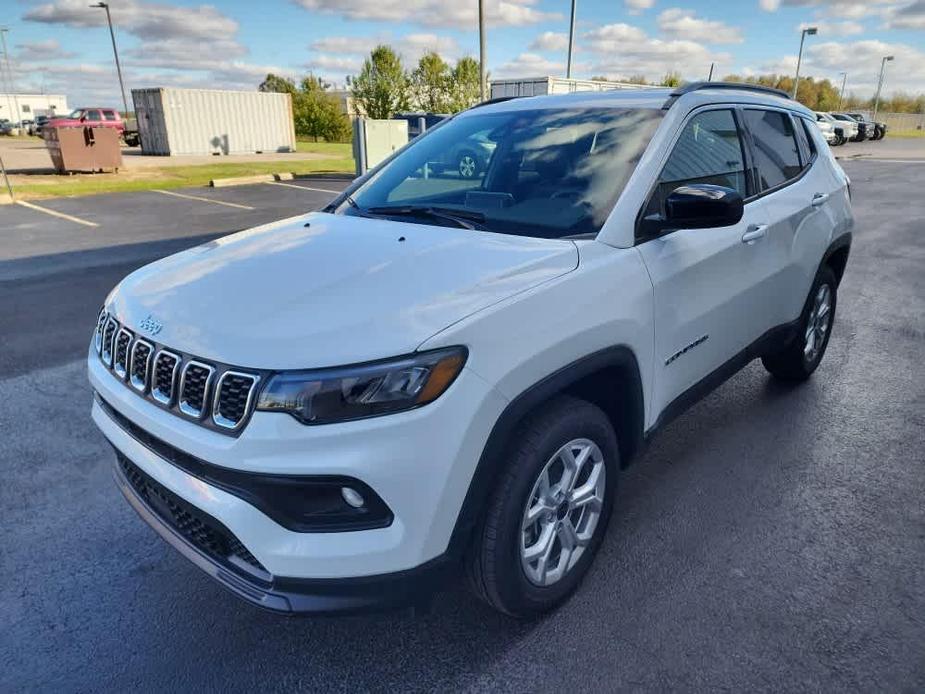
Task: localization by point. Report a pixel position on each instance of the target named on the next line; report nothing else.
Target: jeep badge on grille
(150, 325)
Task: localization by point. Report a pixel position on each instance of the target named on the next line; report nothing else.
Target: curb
(245, 180)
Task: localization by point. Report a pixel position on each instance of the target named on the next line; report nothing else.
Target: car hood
(326, 290)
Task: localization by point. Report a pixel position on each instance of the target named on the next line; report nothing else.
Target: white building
(20, 107)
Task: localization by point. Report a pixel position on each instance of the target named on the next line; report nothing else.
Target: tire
(498, 560)
(797, 361)
(467, 164)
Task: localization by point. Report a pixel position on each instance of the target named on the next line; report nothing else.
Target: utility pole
(571, 42)
(11, 96)
(883, 63)
(841, 94)
(811, 31)
(483, 86)
(115, 52)
(710, 76)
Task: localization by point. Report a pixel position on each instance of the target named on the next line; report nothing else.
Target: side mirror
(703, 206)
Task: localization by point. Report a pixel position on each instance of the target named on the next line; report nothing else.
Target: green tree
(431, 82)
(382, 88)
(672, 79)
(275, 83)
(465, 87)
(637, 79)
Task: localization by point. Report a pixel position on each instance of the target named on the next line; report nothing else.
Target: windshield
(545, 173)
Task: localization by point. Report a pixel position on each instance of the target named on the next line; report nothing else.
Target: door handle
(755, 232)
(819, 199)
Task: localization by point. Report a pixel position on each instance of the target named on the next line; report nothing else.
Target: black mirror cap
(703, 206)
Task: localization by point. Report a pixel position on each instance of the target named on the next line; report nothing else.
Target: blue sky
(63, 46)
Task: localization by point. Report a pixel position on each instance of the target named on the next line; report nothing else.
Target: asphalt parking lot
(771, 538)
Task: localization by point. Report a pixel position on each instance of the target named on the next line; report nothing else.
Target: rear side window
(709, 150)
(804, 138)
(109, 115)
(777, 155)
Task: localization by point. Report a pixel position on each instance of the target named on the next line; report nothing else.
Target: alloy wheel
(818, 324)
(562, 512)
(467, 166)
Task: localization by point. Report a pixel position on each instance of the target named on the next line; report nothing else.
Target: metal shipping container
(213, 121)
(535, 86)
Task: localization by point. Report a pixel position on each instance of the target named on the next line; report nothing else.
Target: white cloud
(846, 28)
(41, 51)
(906, 17)
(549, 41)
(530, 65)
(435, 12)
(622, 50)
(338, 56)
(769, 5)
(637, 6)
(678, 23)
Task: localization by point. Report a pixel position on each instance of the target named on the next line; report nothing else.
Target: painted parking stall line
(201, 199)
(55, 213)
(316, 190)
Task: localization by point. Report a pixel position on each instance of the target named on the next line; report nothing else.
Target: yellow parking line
(76, 220)
(196, 197)
(292, 185)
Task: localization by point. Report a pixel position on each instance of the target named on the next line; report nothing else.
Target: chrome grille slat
(234, 394)
(194, 388)
(140, 364)
(109, 336)
(101, 321)
(120, 352)
(164, 378)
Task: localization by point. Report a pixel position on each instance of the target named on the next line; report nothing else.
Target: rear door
(794, 195)
(707, 309)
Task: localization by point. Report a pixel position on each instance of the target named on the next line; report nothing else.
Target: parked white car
(828, 132)
(439, 374)
(844, 130)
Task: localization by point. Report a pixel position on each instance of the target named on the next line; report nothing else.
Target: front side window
(109, 115)
(94, 116)
(548, 173)
(709, 150)
(777, 156)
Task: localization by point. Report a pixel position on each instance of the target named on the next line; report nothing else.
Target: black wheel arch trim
(842, 242)
(630, 436)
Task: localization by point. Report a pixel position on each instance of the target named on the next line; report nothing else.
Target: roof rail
(489, 102)
(745, 86)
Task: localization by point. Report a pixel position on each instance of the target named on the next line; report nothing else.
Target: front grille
(200, 529)
(194, 388)
(233, 400)
(215, 395)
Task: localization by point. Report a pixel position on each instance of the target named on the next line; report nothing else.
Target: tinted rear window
(777, 156)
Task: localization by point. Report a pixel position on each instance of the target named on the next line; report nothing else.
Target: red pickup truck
(97, 117)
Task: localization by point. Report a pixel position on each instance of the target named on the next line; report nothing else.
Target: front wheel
(549, 512)
(801, 357)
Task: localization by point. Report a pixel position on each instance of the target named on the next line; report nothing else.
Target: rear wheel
(549, 512)
(801, 357)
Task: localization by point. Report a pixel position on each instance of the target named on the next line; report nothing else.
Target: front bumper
(419, 462)
(283, 595)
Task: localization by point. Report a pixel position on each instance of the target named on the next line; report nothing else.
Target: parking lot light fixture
(810, 31)
(115, 52)
(886, 59)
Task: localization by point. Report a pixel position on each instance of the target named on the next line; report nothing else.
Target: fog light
(352, 497)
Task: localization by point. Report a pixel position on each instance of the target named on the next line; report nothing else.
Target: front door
(706, 307)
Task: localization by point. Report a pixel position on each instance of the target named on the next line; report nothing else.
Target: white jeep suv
(439, 373)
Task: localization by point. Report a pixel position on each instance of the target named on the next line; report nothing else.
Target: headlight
(334, 395)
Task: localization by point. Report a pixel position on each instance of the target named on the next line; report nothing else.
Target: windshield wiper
(467, 219)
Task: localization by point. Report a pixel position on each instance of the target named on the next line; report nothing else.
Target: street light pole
(115, 52)
(811, 31)
(841, 94)
(883, 63)
(15, 116)
(571, 42)
(483, 87)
